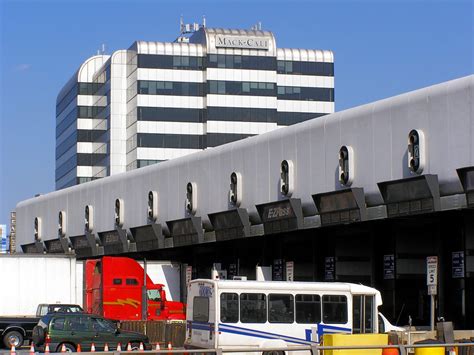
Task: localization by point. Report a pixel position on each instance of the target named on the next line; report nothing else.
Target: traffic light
(89, 218)
(416, 151)
(152, 206)
(346, 165)
(235, 192)
(119, 212)
(62, 224)
(286, 178)
(191, 198)
(37, 227)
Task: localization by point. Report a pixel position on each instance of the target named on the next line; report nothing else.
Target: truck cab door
(156, 305)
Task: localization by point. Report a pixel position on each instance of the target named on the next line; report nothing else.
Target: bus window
(281, 308)
(334, 309)
(229, 307)
(308, 309)
(253, 308)
(200, 309)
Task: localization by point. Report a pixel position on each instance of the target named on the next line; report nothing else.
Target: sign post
(432, 283)
(290, 271)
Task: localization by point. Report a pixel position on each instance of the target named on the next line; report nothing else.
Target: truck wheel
(69, 348)
(13, 338)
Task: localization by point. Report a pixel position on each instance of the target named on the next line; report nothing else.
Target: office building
(161, 100)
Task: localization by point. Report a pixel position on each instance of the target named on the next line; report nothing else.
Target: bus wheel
(273, 353)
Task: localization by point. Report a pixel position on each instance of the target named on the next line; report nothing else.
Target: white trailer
(28, 280)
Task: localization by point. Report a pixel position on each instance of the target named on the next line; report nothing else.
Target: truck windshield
(153, 295)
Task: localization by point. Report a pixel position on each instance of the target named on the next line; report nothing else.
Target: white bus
(267, 314)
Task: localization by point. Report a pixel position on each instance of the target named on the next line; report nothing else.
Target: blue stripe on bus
(232, 329)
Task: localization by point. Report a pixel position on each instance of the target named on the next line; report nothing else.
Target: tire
(135, 346)
(38, 335)
(69, 348)
(273, 353)
(13, 337)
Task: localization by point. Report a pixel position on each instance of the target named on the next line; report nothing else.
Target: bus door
(363, 314)
(203, 316)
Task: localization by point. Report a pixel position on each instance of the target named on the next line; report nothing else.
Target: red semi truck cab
(114, 289)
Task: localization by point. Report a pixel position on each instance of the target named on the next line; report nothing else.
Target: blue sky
(382, 48)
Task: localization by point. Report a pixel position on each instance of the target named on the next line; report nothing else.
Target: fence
(315, 349)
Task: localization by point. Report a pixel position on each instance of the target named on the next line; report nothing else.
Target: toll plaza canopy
(361, 195)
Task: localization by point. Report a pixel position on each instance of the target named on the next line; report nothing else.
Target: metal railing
(314, 349)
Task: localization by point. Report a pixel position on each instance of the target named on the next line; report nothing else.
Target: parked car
(73, 329)
(14, 330)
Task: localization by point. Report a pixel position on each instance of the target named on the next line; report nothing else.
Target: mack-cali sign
(242, 42)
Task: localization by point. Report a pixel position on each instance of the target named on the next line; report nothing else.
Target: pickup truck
(15, 330)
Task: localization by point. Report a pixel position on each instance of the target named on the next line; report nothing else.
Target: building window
(230, 61)
(241, 114)
(241, 88)
(152, 61)
(167, 114)
(305, 93)
(305, 68)
(170, 88)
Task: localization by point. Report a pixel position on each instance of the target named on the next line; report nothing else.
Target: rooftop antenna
(181, 24)
(257, 26)
(203, 20)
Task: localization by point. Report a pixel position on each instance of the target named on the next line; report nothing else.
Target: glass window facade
(142, 163)
(185, 141)
(170, 88)
(152, 61)
(289, 118)
(305, 93)
(215, 139)
(241, 62)
(241, 114)
(170, 114)
(241, 88)
(305, 68)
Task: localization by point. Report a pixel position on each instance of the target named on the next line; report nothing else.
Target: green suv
(73, 329)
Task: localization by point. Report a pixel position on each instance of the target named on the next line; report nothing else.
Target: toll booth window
(229, 307)
(334, 309)
(117, 281)
(253, 308)
(281, 308)
(131, 282)
(154, 295)
(308, 309)
(58, 324)
(200, 309)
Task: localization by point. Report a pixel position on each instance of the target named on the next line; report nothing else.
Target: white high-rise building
(161, 100)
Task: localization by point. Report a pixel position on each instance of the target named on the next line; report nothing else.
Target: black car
(73, 329)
